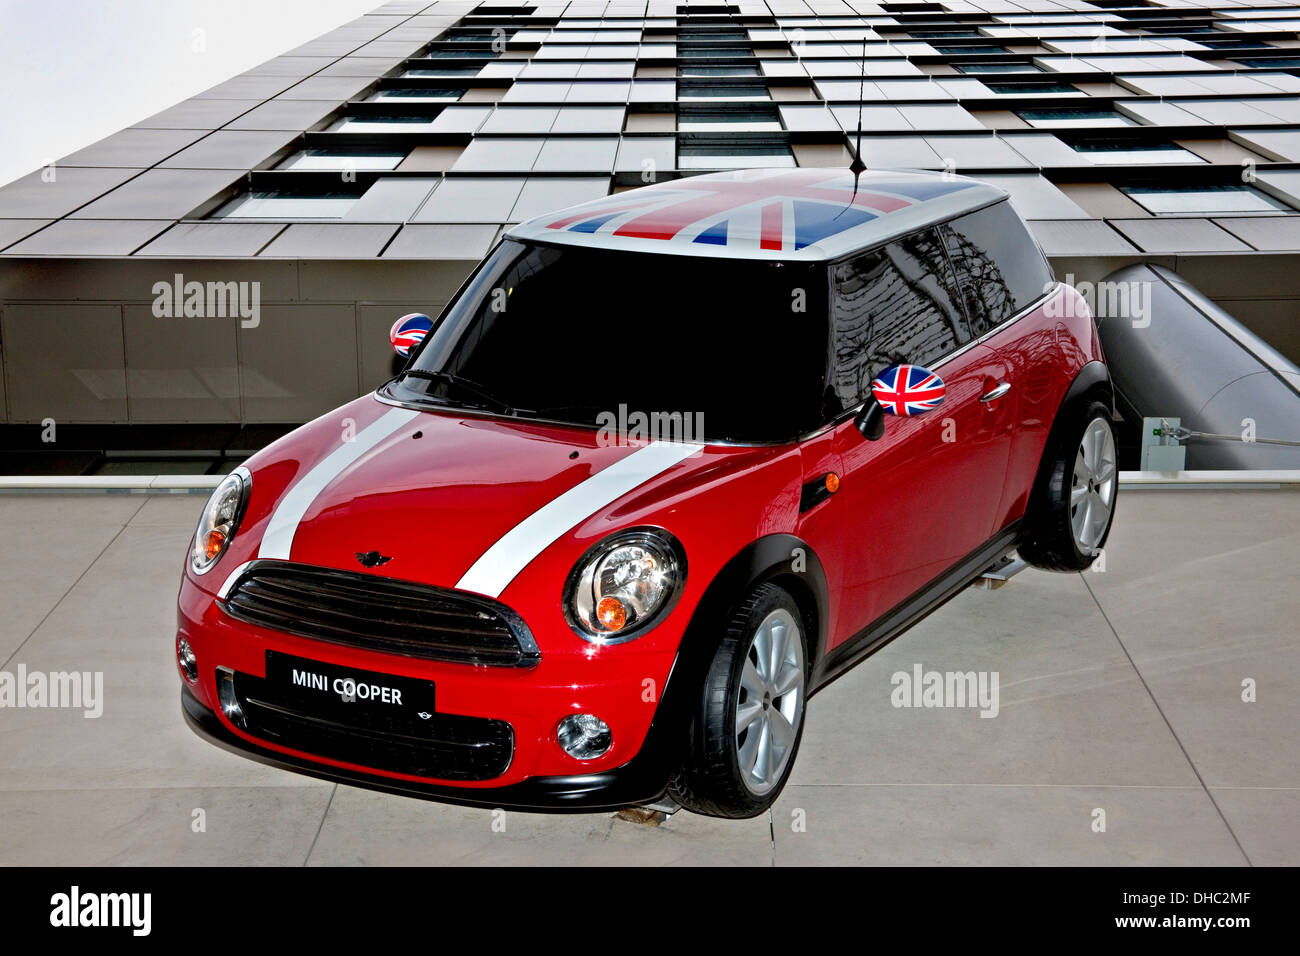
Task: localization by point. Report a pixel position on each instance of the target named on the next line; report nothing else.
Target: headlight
(220, 520)
(624, 584)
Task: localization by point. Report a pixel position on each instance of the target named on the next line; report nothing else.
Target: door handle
(1000, 390)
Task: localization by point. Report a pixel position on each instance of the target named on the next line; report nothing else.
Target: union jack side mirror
(908, 390)
(408, 332)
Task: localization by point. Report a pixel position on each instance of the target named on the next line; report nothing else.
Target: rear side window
(998, 265)
(892, 304)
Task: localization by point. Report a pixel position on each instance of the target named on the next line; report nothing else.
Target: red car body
(433, 490)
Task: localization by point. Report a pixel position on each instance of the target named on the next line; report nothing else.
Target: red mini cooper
(669, 462)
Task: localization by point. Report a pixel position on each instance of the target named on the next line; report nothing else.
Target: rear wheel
(749, 719)
(1070, 517)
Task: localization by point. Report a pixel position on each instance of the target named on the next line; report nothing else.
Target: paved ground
(1121, 692)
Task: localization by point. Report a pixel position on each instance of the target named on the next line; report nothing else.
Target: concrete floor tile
(38, 565)
(69, 511)
(1191, 570)
(1072, 711)
(1266, 821)
(247, 826)
(1000, 826)
(1234, 743)
(1203, 605)
(175, 510)
(367, 828)
(120, 620)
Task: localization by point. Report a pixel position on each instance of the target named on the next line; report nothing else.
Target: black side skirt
(899, 618)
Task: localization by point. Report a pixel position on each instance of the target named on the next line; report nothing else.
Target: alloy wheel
(770, 700)
(1092, 495)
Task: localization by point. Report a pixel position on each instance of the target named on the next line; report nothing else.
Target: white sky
(74, 71)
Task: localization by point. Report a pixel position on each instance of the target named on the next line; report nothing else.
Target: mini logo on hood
(372, 559)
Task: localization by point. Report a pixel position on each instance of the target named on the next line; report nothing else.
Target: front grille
(444, 746)
(381, 614)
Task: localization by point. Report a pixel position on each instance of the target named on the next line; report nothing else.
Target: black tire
(710, 779)
(1048, 540)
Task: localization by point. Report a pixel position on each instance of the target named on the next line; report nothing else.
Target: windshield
(735, 347)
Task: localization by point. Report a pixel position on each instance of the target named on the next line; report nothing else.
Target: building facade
(240, 256)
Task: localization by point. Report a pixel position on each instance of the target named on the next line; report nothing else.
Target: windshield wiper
(486, 398)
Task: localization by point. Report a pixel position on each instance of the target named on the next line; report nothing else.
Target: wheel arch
(709, 778)
(767, 559)
(782, 559)
(1092, 383)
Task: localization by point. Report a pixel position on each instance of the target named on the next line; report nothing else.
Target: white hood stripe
(278, 539)
(498, 566)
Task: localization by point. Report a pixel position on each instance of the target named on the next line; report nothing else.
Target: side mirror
(871, 420)
(899, 390)
(908, 390)
(408, 332)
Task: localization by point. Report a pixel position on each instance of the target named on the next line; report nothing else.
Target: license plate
(329, 689)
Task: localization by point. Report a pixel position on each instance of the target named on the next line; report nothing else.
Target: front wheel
(1071, 516)
(749, 718)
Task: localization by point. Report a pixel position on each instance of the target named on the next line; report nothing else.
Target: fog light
(584, 736)
(185, 660)
(226, 695)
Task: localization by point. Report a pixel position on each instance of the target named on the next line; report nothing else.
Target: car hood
(450, 500)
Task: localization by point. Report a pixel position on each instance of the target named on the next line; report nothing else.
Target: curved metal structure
(1187, 358)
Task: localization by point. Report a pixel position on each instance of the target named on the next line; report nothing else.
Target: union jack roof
(805, 214)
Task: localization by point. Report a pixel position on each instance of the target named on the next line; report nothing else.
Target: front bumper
(538, 774)
(643, 779)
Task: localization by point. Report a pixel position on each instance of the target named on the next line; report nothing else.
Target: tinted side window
(997, 263)
(892, 304)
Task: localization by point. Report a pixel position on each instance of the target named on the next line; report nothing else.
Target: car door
(1005, 280)
(924, 495)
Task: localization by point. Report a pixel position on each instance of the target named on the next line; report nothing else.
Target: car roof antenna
(858, 167)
